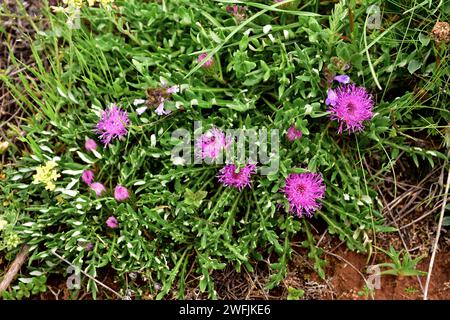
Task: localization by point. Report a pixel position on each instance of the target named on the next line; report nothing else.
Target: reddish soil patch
(347, 282)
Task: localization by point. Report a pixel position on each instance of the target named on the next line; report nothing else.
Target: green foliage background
(270, 71)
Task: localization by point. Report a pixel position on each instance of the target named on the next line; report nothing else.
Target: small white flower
(178, 161)
(3, 146)
(141, 110)
(3, 224)
(137, 102)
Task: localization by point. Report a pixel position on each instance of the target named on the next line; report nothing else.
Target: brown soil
(347, 283)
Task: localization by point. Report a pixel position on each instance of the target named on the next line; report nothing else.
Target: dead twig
(400, 234)
(438, 234)
(14, 269)
(420, 218)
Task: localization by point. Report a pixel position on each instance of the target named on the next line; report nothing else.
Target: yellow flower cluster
(73, 3)
(46, 174)
(80, 3)
(104, 2)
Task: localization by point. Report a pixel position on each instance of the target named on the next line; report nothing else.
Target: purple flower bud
(87, 177)
(90, 145)
(112, 222)
(98, 188)
(121, 193)
(293, 133)
(208, 63)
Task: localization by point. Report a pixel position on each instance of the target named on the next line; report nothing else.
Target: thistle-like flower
(211, 143)
(350, 106)
(112, 125)
(238, 178)
(303, 191)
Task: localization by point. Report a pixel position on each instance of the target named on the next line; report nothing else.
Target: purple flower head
(98, 188)
(113, 124)
(121, 193)
(237, 11)
(233, 9)
(211, 143)
(87, 177)
(208, 64)
(89, 246)
(157, 97)
(90, 145)
(293, 133)
(303, 190)
(112, 222)
(343, 78)
(351, 105)
(236, 177)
